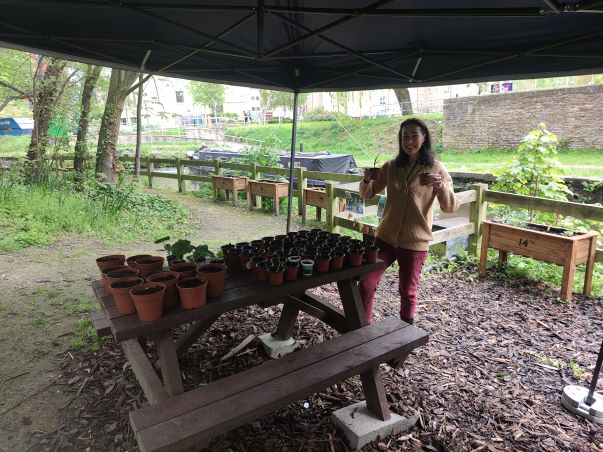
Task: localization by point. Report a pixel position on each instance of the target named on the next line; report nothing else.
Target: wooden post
(302, 183)
(477, 214)
(181, 182)
(255, 175)
(569, 269)
(218, 168)
(483, 258)
(332, 207)
(150, 169)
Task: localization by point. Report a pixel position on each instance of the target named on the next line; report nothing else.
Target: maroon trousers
(410, 262)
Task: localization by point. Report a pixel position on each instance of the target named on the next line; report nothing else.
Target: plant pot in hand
(193, 292)
(109, 270)
(110, 261)
(120, 289)
(371, 254)
(148, 299)
(131, 261)
(150, 265)
(214, 274)
(120, 273)
(185, 269)
(169, 279)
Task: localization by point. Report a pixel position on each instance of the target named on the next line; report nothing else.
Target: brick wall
(575, 115)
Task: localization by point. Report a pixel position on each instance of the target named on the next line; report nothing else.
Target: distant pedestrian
(245, 117)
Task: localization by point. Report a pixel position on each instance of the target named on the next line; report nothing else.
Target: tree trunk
(107, 162)
(46, 91)
(92, 75)
(403, 96)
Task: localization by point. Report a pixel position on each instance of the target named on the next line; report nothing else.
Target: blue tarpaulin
(16, 126)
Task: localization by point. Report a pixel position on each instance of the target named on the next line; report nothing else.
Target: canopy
(317, 45)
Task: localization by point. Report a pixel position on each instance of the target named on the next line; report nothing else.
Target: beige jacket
(408, 213)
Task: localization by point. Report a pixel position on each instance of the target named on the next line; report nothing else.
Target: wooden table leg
(318, 214)
(170, 369)
(215, 193)
(190, 336)
(304, 211)
(235, 197)
(249, 203)
(372, 383)
(502, 258)
(286, 323)
(227, 194)
(276, 209)
(569, 268)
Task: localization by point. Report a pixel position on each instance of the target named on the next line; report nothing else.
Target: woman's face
(412, 139)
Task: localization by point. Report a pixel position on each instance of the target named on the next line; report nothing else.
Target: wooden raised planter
(318, 198)
(270, 189)
(229, 184)
(548, 246)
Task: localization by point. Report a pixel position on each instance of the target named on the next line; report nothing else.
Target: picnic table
(177, 420)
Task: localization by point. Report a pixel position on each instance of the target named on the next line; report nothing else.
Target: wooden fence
(477, 197)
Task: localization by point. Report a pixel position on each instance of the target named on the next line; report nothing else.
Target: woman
(414, 179)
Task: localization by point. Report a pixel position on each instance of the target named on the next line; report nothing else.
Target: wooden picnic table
(243, 289)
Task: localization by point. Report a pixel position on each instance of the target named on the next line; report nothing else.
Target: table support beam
(170, 369)
(190, 336)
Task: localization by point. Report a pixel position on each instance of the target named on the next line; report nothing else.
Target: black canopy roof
(317, 45)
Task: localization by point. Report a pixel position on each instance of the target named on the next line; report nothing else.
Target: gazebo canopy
(317, 45)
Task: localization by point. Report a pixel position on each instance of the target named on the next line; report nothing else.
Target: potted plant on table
(176, 250)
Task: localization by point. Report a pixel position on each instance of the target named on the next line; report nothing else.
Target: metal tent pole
(292, 160)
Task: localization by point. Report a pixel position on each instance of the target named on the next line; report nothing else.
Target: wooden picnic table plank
(252, 291)
(144, 372)
(197, 425)
(145, 418)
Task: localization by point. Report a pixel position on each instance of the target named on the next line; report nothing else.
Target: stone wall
(575, 115)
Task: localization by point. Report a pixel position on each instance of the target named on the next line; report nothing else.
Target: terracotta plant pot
(371, 254)
(131, 261)
(185, 269)
(110, 261)
(355, 258)
(244, 260)
(337, 260)
(150, 265)
(121, 294)
(193, 292)
(233, 257)
(148, 299)
(169, 279)
(261, 268)
(375, 173)
(214, 274)
(121, 273)
(276, 275)
(292, 272)
(104, 276)
(322, 264)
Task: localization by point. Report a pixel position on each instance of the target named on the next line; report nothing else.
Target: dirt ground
(500, 352)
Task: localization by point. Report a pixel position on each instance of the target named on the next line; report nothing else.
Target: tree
(49, 84)
(403, 96)
(270, 99)
(92, 74)
(208, 94)
(107, 162)
(15, 76)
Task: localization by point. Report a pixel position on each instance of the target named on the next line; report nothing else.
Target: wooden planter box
(229, 184)
(552, 247)
(318, 198)
(270, 189)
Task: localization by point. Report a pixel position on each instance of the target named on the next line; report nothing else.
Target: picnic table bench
(177, 420)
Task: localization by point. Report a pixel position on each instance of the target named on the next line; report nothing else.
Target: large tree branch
(9, 99)
(14, 88)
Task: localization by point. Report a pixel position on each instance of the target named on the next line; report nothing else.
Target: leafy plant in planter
(200, 251)
(177, 249)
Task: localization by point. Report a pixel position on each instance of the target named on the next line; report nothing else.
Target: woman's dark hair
(426, 154)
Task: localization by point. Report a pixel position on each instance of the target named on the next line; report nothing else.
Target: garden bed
(499, 355)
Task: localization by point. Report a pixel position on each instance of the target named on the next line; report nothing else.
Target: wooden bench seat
(191, 419)
(100, 323)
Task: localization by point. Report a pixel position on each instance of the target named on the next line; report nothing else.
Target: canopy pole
(292, 160)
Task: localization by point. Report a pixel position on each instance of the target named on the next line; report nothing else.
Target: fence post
(255, 175)
(301, 184)
(150, 169)
(477, 214)
(181, 182)
(332, 207)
